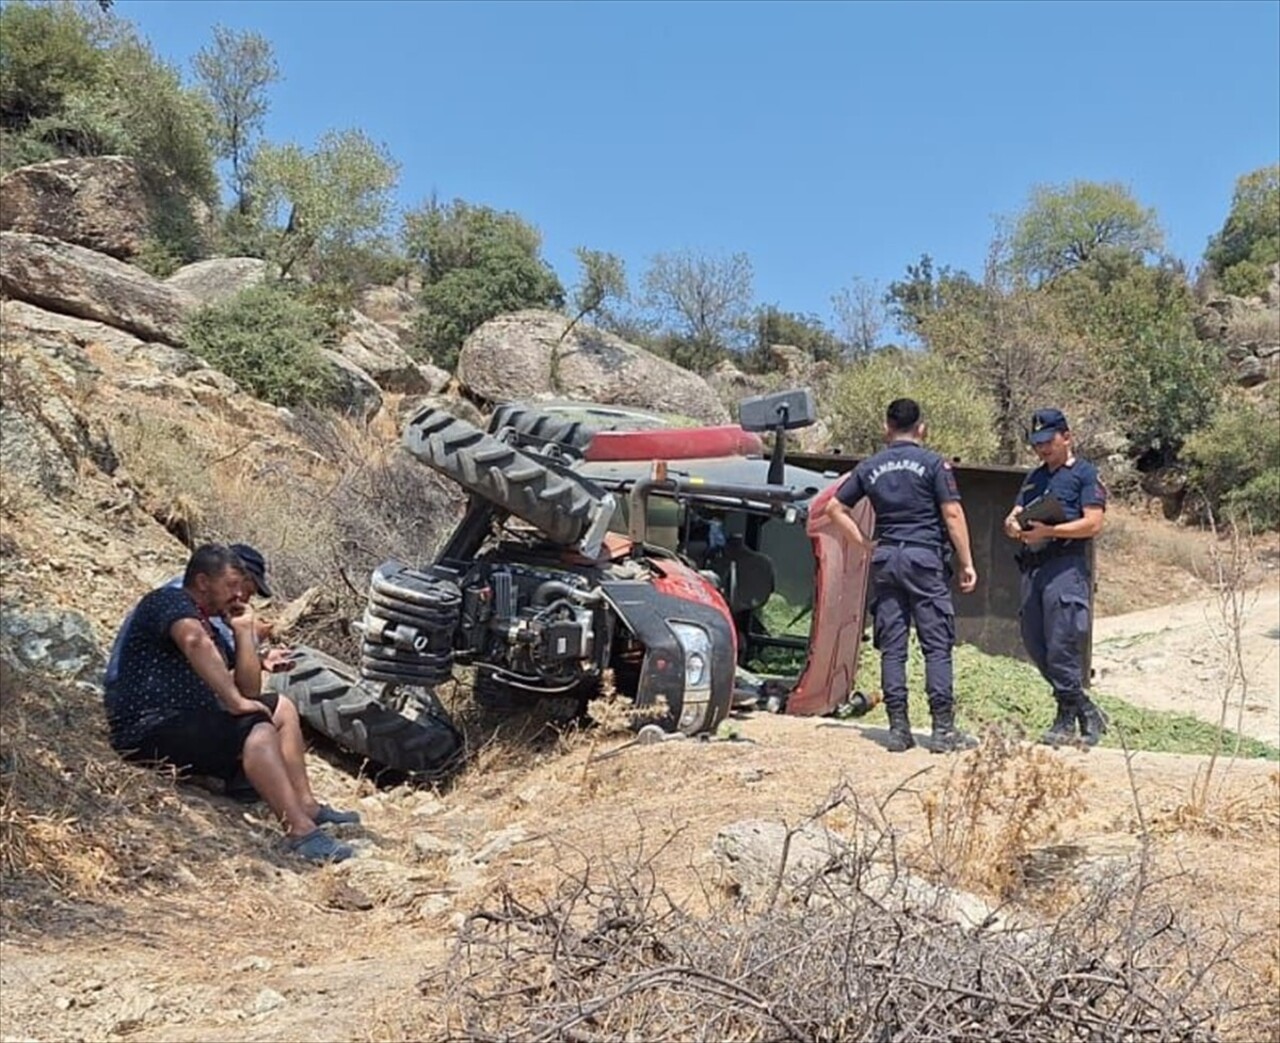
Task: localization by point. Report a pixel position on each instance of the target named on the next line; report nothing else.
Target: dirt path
(1175, 658)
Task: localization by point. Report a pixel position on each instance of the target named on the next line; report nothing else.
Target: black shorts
(203, 742)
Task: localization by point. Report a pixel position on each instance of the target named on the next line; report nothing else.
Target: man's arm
(207, 662)
(842, 518)
(958, 530)
(1086, 527)
(248, 668)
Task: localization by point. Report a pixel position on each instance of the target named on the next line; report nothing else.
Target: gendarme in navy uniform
(918, 516)
(1054, 559)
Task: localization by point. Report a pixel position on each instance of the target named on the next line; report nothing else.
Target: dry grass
(1254, 328)
(609, 953)
(81, 830)
(326, 505)
(995, 805)
(1133, 534)
(1225, 809)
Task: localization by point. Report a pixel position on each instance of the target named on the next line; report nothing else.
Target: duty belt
(1028, 560)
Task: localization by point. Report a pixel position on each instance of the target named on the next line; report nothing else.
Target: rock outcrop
(357, 392)
(97, 202)
(215, 280)
(391, 307)
(1248, 328)
(76, 281)
(50, 641)
(377, 351)
(522, 356)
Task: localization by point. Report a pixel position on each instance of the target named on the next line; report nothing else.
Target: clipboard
(1047, 508)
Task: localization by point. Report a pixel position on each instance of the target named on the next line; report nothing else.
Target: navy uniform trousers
(1054, 620)
(911, 583)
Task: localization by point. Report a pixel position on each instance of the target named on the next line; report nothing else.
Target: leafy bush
(269, 341)
(48, 53)
(1159, 392)
(1235, 459)
(961, 419)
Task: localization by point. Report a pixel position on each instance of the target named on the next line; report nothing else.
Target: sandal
(330, 816)
(318, 846)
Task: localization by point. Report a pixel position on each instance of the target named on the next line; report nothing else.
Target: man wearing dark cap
(1068, 497)
(918, 511)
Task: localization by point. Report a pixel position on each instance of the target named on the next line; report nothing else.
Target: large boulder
(522, 356)
(97, 202)
(89, 285)
(732, 385)
(215, 280)
(377, 351)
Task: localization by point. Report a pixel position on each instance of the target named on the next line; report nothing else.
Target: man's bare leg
(293, 750)
(265, 767)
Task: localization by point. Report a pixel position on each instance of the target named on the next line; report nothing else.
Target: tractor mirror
(791, 409)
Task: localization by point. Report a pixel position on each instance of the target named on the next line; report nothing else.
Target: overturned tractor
(689, 564)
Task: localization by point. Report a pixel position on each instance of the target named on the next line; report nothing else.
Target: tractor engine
(532, 629)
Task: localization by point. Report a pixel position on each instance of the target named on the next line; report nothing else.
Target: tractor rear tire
(331, 699)
(508, 477)
(542, 426)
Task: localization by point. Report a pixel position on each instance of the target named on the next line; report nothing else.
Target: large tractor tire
(332, 700)
(506, 476)
(541, 426)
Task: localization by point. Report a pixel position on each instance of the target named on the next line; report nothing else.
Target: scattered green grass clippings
(1000, 689)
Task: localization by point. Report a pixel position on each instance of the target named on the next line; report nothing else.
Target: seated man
(173, 699)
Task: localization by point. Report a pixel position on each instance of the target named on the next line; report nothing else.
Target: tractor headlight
(697, 654)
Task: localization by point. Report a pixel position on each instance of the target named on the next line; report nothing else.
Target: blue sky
(824, 140)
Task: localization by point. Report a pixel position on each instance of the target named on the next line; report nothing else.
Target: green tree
(1117, 300)
(925, 291)
(604, 278)
(49, 54)
(323, 204)
(476, 263)
(76, 82)
(959, 414)
(1063, 228)
(1012, 340)
(704, 301)
(1249, 243)
(1159, 392)
(236, 70)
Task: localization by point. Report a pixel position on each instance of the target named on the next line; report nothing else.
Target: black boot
(947, 738)
(1093, 722)
(1063, 730)
(900, 737)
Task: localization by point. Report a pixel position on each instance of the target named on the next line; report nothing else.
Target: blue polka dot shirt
(154, 683)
